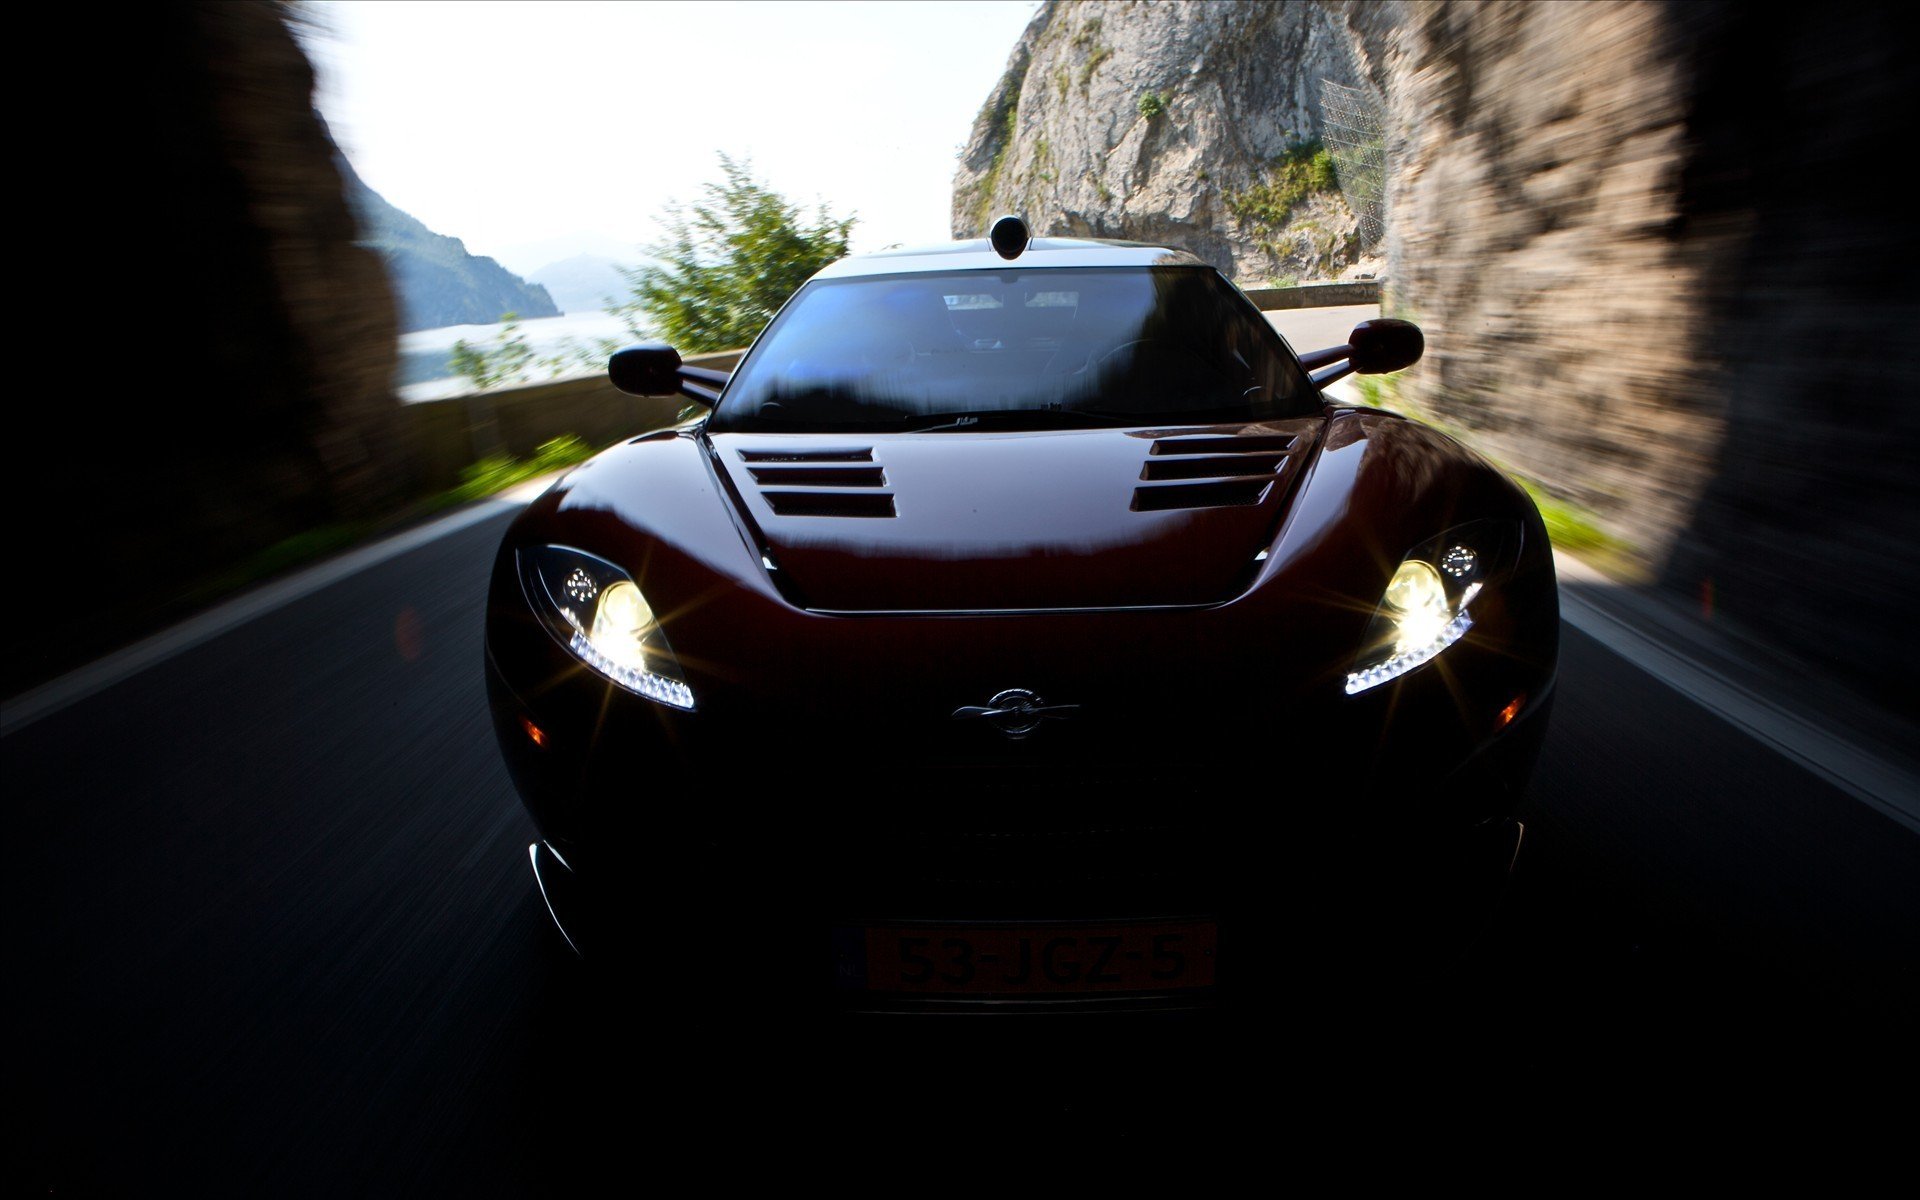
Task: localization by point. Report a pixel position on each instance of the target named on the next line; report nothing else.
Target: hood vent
(820, 483)
(1212, 467)
(1201, 495)
(807, 456)
(829, 504)
(1211, 471)
(790, 475)
(1095, 519)
(1225, 444)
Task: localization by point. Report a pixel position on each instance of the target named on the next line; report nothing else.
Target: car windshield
(1021, 347)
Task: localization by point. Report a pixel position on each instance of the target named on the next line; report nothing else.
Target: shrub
(728, 262)
(1305, 169)
(490, 364)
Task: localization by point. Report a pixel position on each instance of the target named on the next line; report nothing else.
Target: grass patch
(498, 472)
(1573, 529)
(281, 556)
(1372, 390)
(1043, 160)
(1265, 208)
(491, 475)
(1569, 526)
(1152, 104)
(1304, 170)
(1095, 57)
(1086, 41)
(1006, 117)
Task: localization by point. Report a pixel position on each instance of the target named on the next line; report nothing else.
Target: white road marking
(1880, 785)
(98, 676)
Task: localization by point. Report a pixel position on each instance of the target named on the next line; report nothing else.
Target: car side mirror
(1385, 344)
(648, 369)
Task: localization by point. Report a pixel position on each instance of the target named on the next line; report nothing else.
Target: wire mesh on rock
(1355, 129)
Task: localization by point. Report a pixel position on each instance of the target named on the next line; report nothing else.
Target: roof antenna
(1009, 236)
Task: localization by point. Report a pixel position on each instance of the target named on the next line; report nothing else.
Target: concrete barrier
(1317, 295)
(443, 436)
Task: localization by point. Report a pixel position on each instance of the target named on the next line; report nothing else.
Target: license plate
(1027, 959)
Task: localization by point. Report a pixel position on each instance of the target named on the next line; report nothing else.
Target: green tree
(509, 359)
(727, 263)
(490, 364)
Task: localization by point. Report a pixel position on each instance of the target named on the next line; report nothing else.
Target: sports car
(1020, 626)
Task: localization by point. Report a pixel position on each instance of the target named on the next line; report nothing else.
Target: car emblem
(1015, 712)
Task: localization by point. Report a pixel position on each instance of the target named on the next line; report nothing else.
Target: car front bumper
(745, 880)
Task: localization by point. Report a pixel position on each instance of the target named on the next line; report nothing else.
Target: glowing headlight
(596, 610)
(1424, 609)
(1419, 605)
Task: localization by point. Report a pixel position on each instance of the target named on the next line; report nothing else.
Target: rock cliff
(240, 391)
(1197, 124)
(1657, 275)
(1655, 281)
(1537, 234)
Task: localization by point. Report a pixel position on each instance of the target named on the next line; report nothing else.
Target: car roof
(978, 255)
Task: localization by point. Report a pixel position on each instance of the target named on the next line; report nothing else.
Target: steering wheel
(1093, 364)
(1195, 370)
(1100, 362)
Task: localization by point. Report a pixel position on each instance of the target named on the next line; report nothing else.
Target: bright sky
(507, 124)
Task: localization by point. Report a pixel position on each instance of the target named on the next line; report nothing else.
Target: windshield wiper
(1009, 418)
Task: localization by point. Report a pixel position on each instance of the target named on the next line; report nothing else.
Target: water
(423, 373)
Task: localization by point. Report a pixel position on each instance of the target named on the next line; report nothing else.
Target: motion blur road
(272, 930)
(274, 927)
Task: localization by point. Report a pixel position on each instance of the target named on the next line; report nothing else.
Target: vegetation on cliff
(1193, 125)
(1273, 211)
(1005, 109)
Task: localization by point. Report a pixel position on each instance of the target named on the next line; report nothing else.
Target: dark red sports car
(1022, 628)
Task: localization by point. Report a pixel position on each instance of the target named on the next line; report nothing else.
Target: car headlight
(1425, 609)
(595, 609)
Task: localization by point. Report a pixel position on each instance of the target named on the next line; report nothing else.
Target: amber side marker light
(539, 738)
(1507, 714)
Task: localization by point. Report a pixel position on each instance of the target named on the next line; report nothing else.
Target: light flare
(1405, 658)
(637, 679)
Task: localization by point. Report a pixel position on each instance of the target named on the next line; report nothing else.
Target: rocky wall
(237, 347)
(1164, 123)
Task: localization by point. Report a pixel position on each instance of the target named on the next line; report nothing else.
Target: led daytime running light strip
(653, 687)
(1407, 660)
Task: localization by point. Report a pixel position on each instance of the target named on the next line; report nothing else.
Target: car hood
(1055, 519)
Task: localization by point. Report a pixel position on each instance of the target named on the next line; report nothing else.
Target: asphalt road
(271, 929)
(1317, 328)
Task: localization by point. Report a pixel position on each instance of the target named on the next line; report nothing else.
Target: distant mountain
(436, 281)
(582, 283)
(524, 258)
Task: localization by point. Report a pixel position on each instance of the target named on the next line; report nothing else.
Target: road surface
(272, 931)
